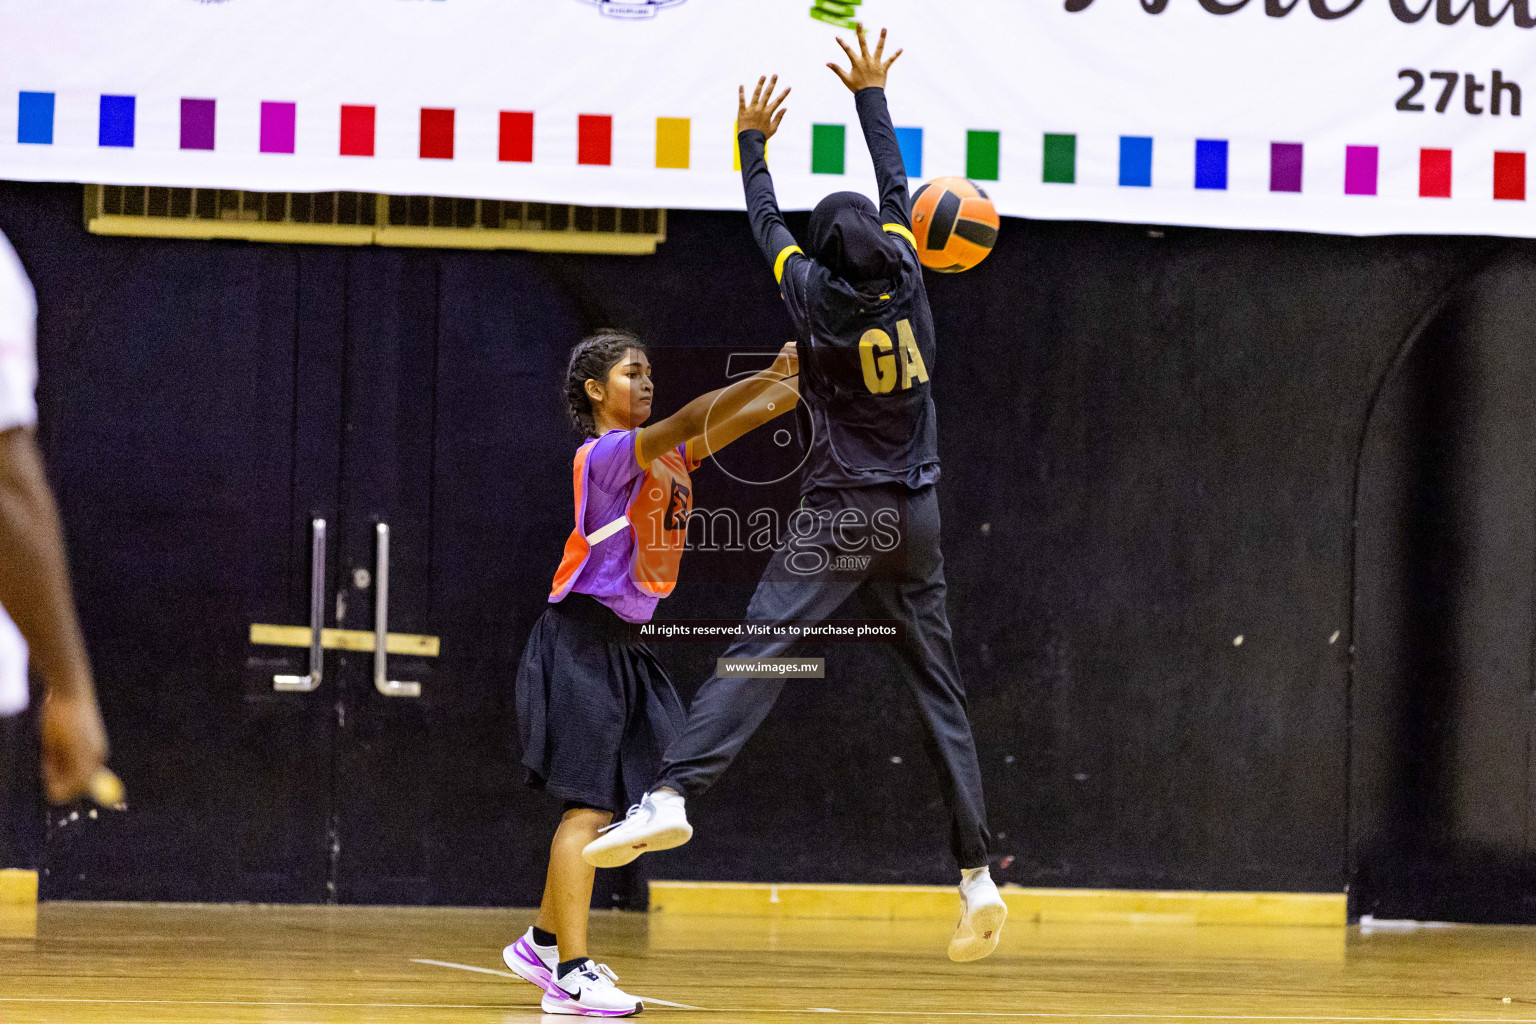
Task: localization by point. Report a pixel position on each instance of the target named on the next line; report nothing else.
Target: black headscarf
(847, 239)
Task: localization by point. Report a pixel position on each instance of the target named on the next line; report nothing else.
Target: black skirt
(595, 709)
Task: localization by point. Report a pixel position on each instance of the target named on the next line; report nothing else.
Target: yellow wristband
(790, 250)
(897, 229)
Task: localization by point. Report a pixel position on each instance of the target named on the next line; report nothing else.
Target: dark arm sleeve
(890, 168)
(790, 265)
(762, 206)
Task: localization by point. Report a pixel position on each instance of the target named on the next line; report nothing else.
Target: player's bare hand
(868, 69)
(74, 746)
(787, 364)
(765, 111)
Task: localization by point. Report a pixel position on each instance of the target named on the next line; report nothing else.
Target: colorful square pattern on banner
(828, 147)
(1109, 110)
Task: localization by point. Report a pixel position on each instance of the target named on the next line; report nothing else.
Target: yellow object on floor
(18, 888)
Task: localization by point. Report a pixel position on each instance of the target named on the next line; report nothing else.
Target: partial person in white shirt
(37, 610)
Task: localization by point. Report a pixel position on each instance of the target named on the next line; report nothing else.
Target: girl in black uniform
(866, 356)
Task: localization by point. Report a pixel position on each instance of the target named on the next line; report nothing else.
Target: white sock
(662, 796)
(972, 877)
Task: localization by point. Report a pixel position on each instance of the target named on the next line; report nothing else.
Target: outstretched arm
(756, 121)
(770, 404)
(866, 80)
(692, 419)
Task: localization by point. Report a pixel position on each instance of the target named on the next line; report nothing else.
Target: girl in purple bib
(595, 708)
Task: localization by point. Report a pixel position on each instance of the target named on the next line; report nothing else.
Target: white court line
(1043, 1015)
(866, 1013)
(466, 967)
(509, 974)
(252, 1002)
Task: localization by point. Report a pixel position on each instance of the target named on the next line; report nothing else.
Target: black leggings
(906, 584)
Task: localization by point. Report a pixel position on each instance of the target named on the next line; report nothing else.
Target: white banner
(1352, 116)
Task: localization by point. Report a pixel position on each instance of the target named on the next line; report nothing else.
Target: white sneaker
(532, 962)
(657, 822)
(982, 912)
(589, 991)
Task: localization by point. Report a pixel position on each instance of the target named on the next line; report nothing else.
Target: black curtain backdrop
(1186, 473)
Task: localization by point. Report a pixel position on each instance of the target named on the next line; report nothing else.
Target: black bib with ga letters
(866, 366)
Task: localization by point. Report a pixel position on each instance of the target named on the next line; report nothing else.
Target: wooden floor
(98, 963)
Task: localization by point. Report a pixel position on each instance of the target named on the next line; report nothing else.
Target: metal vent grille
(367, 218)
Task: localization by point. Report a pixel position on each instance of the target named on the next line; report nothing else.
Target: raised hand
(765, 111)
(868, 71)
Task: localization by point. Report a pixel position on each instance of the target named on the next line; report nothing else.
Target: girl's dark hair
(591, 359)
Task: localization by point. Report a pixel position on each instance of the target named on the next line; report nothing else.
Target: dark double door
(220, 400)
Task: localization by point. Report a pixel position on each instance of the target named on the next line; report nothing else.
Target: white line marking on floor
(868, 1013)
(663, 1002)
(272, 1002)
(466, 967)
(1041, 1015)
(508, 974)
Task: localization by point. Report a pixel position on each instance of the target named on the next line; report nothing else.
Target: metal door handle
(381, 681)
(304, 684)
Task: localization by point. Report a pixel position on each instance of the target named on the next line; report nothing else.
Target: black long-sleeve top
(866, 355)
